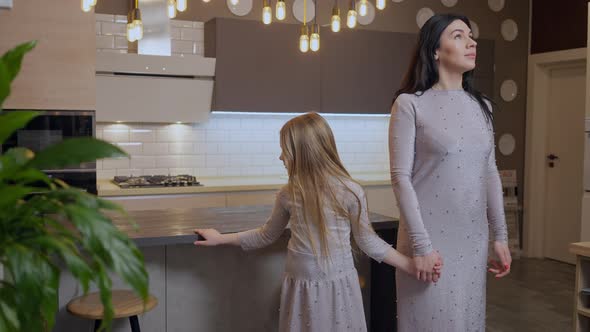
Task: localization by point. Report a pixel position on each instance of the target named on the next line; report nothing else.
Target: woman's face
(457, 51)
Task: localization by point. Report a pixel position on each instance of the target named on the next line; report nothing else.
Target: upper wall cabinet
(260, 68)
(59, 72)
(361, 69)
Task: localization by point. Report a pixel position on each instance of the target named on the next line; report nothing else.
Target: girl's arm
(254, 238)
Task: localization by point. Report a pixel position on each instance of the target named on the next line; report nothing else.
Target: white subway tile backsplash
(143, 162)
(273, 147)
(132, 148)
(253, 171)
(116, 135)
(179, 171)
(192, 34)
(121, 19)
(176, 134)
(230, 171)
(156, 171)
(115, 163)
(117, 29)
(229, 148)
(107, 42)
(155, 149)
(216, 161)
(182, 46)
(169, 161)
(121, 42)
(239, 160)
(216, 136)
(174, 32)
(106, 173)
(181, 24)
(252, 147)
(194, 161)
(199, 25)
(207, 173)
(129, 172)
(104, 17)
(142, 135)
(97, 27)
(180, 148)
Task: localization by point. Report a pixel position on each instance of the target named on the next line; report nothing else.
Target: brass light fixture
(134, 24)
(171, 8)
(304, 36)
(266, 12)
(314, 42)
(351, 17)
(281, 10)
(335, 17)
(363, 7)
(181, 5)
(87, 5)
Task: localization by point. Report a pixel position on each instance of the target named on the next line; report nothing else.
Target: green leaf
(14, 57)
(9, 194)
(13, 161)
(75, 151)
(4, 83)
(12, 121)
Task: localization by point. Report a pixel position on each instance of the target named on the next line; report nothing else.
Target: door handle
(551, 157)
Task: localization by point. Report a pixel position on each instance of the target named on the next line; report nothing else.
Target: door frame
(539, 70)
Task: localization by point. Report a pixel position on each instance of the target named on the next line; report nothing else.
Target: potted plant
(47, 226)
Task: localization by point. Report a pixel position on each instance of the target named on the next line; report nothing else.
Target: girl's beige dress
(320, 294)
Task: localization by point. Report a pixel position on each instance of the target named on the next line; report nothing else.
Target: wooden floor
(536, 296)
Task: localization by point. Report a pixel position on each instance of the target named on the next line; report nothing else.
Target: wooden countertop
(580, 248)
(175, 226)
(106, 188)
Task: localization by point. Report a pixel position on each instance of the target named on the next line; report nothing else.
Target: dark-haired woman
(444, 175)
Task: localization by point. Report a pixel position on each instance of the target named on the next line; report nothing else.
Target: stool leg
(97, 324)
(134, 324)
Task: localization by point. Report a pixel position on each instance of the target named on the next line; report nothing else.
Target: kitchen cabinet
(260, 68)
(362, 69)
(59, 73)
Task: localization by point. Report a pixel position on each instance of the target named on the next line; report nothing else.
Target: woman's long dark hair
(423, 71)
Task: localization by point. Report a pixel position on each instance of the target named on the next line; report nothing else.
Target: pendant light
(266, 12)
(351, 17)
(314, 41)
(335, 25)
(281, 10)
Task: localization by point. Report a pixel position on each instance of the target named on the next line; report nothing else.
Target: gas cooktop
(152, 181)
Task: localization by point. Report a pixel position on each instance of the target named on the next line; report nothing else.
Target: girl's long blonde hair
(310, 155)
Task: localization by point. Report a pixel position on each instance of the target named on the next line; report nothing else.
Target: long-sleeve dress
(444, 175)
(320, 294)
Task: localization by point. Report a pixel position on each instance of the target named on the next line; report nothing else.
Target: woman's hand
(425, 266)
(213, 238)
(500, 266)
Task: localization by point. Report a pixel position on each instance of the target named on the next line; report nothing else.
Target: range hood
(150, 85)
(150, 88)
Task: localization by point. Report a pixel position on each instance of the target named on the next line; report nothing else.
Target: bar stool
(125, 305)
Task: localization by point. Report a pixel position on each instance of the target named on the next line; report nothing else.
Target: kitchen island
(223, 288)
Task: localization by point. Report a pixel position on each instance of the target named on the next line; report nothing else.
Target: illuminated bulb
(206, 1)
(380, 4)
(266, 14)
(314, 43)
(138, 29)
(86, 6)
(335, 19)
(281, 10)
(171, 6)
(363, 8)
(234, 2)
(181, 5)
(304, 40)
(92, 2)
(351, 19)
